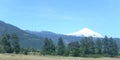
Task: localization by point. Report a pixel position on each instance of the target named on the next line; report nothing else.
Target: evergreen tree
(60, 47)
(15, 43)
(66, 53)
(87, 45)
(113, 48)
(52, 47)
(48, 47)
(105, 45)
(45, 46)
(74, 48)
(91, 45)
(110, 47)
(98, 46)
(83, 46)
(5, 43)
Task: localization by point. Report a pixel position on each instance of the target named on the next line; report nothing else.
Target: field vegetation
(41, 57)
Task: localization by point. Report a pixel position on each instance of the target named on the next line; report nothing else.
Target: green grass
(38, 57)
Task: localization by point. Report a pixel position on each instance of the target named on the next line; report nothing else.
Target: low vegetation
(87, 47)
(38, 57)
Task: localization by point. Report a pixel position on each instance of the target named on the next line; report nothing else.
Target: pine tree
(113, 48)
(15, 43)
(91, 45)
(98, 46)
(45, 46)
(52, 47)
(74, 48)
(48, 47)
(60, 47)
(110, 47)
(87, 45)
(84, 46)
(5, 43)
(105, 45)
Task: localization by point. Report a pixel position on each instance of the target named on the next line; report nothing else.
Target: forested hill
(26, 39)
(31, 39)
(67, 39)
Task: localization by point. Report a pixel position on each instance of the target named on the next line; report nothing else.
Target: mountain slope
(85, 32)
(32, 39)
(55, 36)
(26, 39)
(66, 38)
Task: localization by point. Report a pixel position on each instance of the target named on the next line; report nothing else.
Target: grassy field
(36, 57)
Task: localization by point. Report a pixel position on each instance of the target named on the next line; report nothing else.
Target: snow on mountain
(85, 32)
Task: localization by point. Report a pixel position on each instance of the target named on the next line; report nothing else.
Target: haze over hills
(55, 36)
(33, 39)
(66, 38)
(26, 39)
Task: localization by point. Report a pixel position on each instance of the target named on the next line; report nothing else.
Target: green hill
(26, 39)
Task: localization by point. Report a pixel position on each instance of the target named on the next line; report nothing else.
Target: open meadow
(37, 57)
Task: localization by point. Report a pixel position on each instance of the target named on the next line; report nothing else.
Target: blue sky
(63, 16)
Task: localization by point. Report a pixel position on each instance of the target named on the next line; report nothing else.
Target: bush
(25, 52)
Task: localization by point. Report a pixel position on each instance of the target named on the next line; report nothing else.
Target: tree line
(87, 47)
(9, 43)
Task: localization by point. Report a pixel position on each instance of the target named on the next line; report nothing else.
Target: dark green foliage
(24, 51)
(91, 45)
(66, 52)
(87, 45)
(15, 44)
(48, 47)
(60, 47)
(5, 44)
(110, 47)
(73, 48)
(113, 48)
(9, 44)
(52, 46)
(105, 45)
(83, 47)
(98, 46)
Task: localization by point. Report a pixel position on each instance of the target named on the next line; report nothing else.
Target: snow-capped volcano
(85, 32)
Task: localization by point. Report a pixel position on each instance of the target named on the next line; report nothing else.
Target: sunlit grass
(38, 57)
